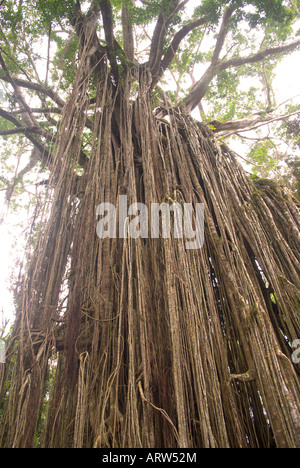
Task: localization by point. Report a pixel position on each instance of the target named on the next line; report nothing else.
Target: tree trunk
(158, 345)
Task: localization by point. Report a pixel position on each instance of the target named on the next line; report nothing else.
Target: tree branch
(34, 158)
(94, 8)
(85, 27)
(180, 6)
(159, 34)
(28, 116)
(259, 56)
(25, 130)
(127, 28)
(112, 45)
(37, 129)
(268, 91)
(39, 110)
(45, 154)
(108, 25)
(48, 53)
(173, 47)
(247, 125)
(234, 125)
(35, 87)
(47, 111)
(199, 90)
(157, 43)
(222, 34)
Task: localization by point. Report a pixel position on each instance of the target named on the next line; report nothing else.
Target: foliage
(55, 11)
(263, 161)
(293, 131)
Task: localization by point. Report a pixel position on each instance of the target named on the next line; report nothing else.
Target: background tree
(140, 342)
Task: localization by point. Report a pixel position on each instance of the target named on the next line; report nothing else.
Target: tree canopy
(136, 341)
(217, 57)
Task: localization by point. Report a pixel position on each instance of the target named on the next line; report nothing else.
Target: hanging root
(156, 345)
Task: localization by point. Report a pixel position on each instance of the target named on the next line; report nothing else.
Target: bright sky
(10, 238)
(286, 85)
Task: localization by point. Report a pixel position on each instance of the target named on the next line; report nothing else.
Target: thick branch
(25, 130)
(46, 157)
(47, 111)
(35, 87)
(7, 116)
(180, 6)
(159, 34)
(34, 158)
(259, 56)
(85, 27)
(28, 117)
(37, 129)
(113, 47)
(234, 125)
(127, 27)
(222, 34)
(156, 48)
(173, 47)
(45, 154)
(94, 9)
(107, 17)
(199, 90)
(39, 110)
(246, 125)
